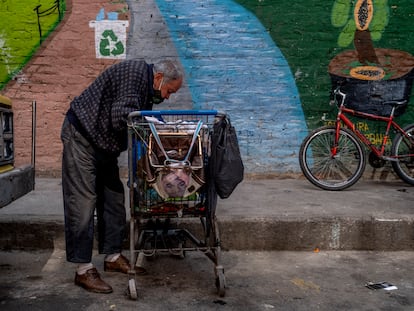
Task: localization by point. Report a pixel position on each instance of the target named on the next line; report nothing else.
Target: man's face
(166, 88)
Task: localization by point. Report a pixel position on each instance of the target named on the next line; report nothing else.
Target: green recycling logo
(110, 45)
(110, 38)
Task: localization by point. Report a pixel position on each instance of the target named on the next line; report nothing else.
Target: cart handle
(159, 113)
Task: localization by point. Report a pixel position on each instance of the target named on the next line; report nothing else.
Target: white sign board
(110, 38)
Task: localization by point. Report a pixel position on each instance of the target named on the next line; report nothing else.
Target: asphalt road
(332, 280)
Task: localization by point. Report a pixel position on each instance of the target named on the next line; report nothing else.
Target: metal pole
(34, 140)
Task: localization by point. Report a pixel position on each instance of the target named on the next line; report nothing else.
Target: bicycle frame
(390, 123)
(334, 157)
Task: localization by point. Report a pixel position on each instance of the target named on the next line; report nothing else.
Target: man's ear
(157, 79)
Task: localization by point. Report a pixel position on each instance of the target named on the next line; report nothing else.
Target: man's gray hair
(170, 69)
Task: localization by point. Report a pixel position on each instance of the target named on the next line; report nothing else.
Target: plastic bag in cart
(226, 165)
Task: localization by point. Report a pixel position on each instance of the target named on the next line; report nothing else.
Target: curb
(259, 234)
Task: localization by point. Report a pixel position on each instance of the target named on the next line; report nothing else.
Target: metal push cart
(162, 144)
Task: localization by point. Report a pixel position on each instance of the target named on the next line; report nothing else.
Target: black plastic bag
(226, 165)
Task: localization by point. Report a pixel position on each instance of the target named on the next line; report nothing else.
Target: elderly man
(94, 133)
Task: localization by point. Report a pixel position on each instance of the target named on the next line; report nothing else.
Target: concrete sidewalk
(262, 214)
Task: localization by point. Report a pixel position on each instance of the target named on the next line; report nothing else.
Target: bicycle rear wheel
(327, 170)
(402, 147)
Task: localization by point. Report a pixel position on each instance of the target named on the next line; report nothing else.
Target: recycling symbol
(110, 45)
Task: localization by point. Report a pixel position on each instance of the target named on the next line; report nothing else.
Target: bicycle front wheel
(329, 170)
(403, 149)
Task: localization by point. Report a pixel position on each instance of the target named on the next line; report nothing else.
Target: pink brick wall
(65, 64)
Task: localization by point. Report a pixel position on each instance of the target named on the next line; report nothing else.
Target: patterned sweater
(101, 111)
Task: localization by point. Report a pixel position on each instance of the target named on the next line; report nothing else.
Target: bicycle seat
(395, 102)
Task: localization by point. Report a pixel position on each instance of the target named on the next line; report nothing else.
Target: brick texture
(60, 70)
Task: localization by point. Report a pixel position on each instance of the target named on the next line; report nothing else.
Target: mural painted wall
(270, 64)
(374, 74)
(271, 70)
(349, 37)
(24, 25)
(233, 65)
(59, 70)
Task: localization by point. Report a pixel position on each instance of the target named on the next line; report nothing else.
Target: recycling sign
(110, 38)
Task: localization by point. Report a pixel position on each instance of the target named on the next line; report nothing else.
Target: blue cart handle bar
(160, 113)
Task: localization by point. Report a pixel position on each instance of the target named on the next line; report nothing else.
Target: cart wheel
(150, 251)
(132, 290)
(221, 282)
(181, 254)
(139, 265)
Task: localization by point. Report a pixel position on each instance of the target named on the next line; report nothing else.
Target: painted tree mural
(390, 72)
(361, 26)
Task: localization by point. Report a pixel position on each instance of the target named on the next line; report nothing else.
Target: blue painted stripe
(233, 65)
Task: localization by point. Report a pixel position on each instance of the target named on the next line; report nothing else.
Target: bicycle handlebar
(338, 91)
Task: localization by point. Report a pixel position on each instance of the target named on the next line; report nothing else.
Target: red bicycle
(334, 157)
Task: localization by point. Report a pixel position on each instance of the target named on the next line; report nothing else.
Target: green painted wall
(303, 30)
(20, 32)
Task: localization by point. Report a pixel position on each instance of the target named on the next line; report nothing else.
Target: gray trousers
(90, 181)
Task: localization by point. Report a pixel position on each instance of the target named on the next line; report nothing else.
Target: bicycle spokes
(403, 151)
(328, 165)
